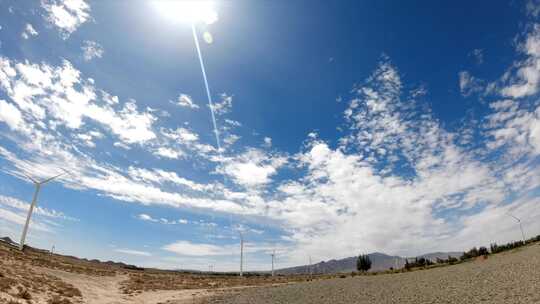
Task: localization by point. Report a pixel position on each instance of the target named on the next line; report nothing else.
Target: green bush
(363, 263)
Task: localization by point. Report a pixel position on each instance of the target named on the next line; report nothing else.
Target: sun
(187, 11)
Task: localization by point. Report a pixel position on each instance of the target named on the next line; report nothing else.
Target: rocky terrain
(509, 277)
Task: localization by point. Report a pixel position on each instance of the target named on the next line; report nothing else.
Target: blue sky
(346, 127)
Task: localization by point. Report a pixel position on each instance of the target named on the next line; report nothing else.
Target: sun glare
(188, 11)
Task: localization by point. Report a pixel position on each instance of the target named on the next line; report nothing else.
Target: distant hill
(8, 241)
(380, 261)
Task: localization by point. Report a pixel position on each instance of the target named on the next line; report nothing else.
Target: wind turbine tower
(520, 226)
(273, 256)
(34, 202)
(241, 254)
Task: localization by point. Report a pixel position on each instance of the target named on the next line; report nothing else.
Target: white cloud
(252, 168)
(468, 84)
(527, 78)
(133, 252)
(230, 139)
(24, 206)
(60, 94)
(146, 217)
(267, 142)
(91, 50)
(168, 153)
(162, 177)
(186, 101)
(66, 15)
(10, 115)
(29, 31)
(181, 134)
(193, 249)
(224, 106)
(14, 211)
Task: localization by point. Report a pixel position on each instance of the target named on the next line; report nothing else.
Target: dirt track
(510, 277)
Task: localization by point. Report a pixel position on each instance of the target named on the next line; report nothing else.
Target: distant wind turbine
(34, 202)
(273, 256)
(241, 253)
(520, 226)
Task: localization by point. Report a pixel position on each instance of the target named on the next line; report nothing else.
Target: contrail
(203, 69)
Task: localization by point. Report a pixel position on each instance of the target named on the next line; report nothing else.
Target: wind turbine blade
(517, 219)
(30, 178)
(51, 178)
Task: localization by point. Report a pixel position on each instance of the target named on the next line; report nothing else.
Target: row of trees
(418, 262)
(363, 262)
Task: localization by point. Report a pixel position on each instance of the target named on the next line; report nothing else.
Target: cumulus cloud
(29, 31)
(40, 90)
(397, 180)
(223, 106)
(91, 50)
(10, 115)
(66, 15)
(168, 153)
(252, 168)
(186, 101)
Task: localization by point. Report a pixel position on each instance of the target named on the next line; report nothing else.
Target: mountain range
(379, 261)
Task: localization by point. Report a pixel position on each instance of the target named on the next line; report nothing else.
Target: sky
(345, 127)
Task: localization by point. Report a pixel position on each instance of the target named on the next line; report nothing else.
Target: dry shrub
(67, 290)
(6, 283)
(24, 294)
(58, 300)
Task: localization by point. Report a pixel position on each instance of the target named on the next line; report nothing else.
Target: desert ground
(509, 278)
(40, 277)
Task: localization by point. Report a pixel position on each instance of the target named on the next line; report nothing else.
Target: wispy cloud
(133, 252)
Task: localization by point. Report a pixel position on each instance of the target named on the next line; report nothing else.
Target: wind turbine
(273, 256)
(38, 185)
(310, 269)
(520, 226)
(241, 253)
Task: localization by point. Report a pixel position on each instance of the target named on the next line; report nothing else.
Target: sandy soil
(106, 290)
(38, 277)
(505, 278)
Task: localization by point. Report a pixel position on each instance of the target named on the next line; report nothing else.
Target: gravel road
(509, 278)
